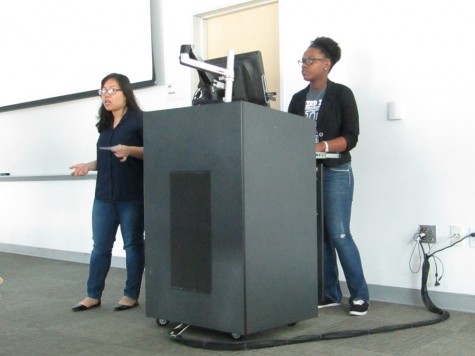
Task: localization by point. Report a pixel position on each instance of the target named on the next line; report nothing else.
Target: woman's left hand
(121, 152)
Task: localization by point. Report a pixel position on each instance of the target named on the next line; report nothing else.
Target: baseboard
(70, 256)
(444, 300)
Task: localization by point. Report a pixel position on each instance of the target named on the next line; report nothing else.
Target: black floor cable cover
(344, 334)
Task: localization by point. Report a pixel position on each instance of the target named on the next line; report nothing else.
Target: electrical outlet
(456, 235)
(429, 232)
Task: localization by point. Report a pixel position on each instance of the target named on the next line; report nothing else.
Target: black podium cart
(230, 207)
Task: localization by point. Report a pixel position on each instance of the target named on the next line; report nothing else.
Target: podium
(230, 217)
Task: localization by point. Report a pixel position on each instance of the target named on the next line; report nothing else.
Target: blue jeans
(106, 218)
(338, 196)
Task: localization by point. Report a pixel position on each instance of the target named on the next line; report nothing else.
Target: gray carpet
(36, 319)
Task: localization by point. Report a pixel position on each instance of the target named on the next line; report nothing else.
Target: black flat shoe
(81, 307)
(120, 307)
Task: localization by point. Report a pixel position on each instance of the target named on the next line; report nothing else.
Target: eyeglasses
(110, 91)
(310, 61)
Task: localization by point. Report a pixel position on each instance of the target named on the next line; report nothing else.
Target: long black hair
(105, 117)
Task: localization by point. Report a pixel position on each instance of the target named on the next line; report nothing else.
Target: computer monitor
(249, 81)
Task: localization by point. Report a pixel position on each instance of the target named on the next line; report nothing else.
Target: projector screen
(59, 50)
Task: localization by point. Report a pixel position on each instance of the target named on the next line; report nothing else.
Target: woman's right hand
(80, 169)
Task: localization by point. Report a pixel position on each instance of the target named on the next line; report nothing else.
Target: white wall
(418, 170)
(414, 171)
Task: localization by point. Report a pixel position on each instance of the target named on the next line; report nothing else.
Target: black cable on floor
(345, 334)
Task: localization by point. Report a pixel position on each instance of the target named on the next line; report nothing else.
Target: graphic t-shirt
(312, 107)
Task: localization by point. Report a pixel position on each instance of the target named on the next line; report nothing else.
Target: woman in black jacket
(333, 108)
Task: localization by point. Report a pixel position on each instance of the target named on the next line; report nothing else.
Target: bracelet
(326, 146)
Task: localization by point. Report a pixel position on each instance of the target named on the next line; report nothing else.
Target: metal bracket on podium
(178, 330)
(188, 58)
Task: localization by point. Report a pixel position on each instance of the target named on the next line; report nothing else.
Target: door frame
(199, 27)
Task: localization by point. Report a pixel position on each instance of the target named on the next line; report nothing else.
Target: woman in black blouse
(119, 191)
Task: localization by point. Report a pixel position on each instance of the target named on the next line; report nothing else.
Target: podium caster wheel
(162, 322)
(236, 336)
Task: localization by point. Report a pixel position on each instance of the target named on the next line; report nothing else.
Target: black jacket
(338, 116)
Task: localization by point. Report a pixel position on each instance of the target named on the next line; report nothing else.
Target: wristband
(326, 146)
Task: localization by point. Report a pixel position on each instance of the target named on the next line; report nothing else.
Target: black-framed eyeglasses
(110, 91)
(309, 61)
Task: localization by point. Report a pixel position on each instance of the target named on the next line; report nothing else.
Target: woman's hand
(320, 147)
(121, 152)
(80, 169)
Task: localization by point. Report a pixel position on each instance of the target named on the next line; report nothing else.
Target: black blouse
(120, 181)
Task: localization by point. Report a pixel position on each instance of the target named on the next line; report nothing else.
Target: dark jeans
(106, 218)
(338, 196)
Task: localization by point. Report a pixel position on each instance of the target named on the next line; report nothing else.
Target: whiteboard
(58, 50)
